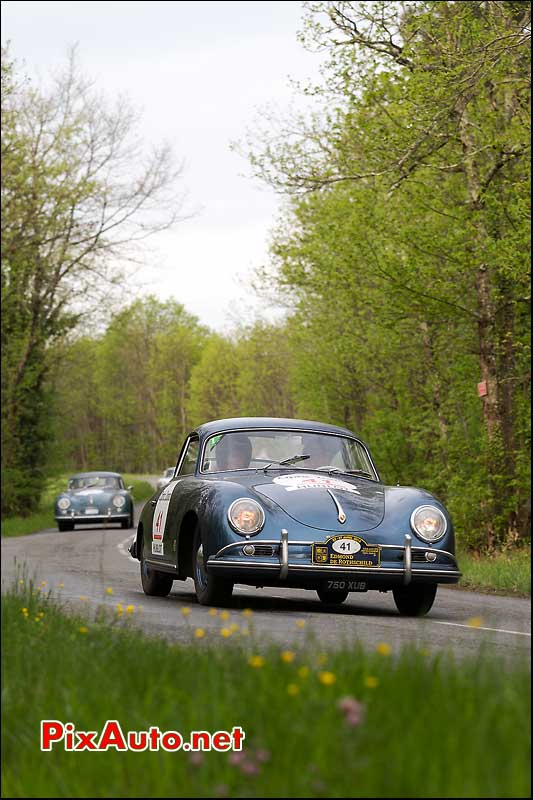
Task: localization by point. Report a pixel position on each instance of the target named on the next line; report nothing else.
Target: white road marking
(479, 627)
(121, 547)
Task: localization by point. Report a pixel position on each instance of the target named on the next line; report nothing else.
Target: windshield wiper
(288, 461)
(331, 470)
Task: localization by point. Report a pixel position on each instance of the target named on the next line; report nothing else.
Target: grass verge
(414, 725)
(507, 573)
(44, 517)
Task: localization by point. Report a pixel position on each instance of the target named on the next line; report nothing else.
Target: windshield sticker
(294, 482)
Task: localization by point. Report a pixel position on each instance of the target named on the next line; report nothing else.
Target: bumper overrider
(291, 563)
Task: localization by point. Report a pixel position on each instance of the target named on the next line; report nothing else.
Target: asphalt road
(89, 561)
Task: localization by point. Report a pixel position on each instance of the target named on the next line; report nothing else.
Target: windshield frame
(375, 478)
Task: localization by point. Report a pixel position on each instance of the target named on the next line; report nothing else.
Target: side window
(188, 465)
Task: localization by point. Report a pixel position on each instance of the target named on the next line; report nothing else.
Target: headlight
(119, 500)
(428, 523)
(63, 503)
(246, 516)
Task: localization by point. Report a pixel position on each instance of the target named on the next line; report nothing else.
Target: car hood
(319, 500)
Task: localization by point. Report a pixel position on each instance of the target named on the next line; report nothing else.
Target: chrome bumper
(282, 566)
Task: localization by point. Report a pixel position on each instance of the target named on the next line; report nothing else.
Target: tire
(127, 523)
(414, 601)
(154, 583)
(332, 597)
(65, 526)
(211, 590)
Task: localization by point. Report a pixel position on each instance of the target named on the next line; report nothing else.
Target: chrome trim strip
(284, 554)
(341, 516)
(314, 567)
(308, 544)
(407, 560)
(261, 541)
(160, 564)
(92, 518)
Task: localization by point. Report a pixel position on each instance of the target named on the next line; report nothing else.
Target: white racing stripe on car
(479, 627)
(123, 546)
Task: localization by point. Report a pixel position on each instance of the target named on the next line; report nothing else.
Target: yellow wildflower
(293, 689)
(303, 672)
(83, 629)
(199, 633)
(327, 678)
(256, 661)
(287, 656)
(371, 682)
(225, 632)
(384, 649)
(474, 622)
(109, 590)
(185, 611)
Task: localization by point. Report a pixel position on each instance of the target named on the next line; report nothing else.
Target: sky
(200, 72)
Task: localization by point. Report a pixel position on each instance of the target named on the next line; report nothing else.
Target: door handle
(153, 502)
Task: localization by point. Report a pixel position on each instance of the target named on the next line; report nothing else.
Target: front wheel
(211, 590)
(127, 523)
(332, 597)
(155, 584)
(414, 601)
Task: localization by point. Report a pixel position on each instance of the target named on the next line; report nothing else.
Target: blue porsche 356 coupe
(94, 497)
(283, 502)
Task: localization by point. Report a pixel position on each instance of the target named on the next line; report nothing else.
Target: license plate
(90, 510)
(346, 550)
(350, 586)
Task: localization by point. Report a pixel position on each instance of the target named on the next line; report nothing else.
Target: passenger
(323, 451)
(234, 451)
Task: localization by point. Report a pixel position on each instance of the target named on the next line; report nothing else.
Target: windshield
(95, 482)
(256, 449)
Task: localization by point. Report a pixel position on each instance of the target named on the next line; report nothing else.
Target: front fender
(400, 502)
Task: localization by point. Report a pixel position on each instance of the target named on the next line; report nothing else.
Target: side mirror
(129, 488)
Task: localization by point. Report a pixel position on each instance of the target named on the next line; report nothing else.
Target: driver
(234, 451)
(322, 449)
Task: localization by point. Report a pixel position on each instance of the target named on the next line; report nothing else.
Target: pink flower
(249, 768)
(196, 758)
(352, 709)
(263, 755)
(237, 758)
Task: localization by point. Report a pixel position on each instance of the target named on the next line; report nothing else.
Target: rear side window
(190, 459)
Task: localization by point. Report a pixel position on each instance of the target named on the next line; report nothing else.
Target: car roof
(238, 423)
(103, 473)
